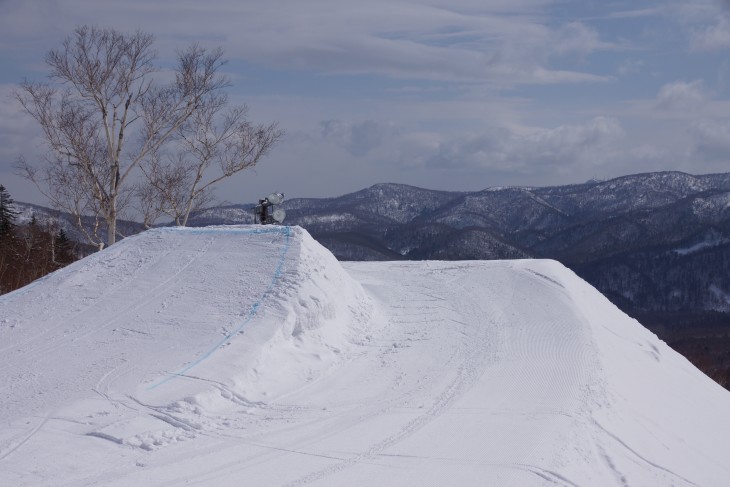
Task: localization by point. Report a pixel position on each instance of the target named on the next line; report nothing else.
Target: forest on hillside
(29, 251)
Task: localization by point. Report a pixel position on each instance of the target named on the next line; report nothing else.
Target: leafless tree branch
(102, 113)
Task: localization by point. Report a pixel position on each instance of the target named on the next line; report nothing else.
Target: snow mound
(244, 355)
(161, 335)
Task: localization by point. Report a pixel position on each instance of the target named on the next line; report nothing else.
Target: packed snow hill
(249, 356)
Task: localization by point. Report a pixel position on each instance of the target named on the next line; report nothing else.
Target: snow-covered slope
(249, 356)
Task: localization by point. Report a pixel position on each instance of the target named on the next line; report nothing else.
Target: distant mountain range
(657, 244)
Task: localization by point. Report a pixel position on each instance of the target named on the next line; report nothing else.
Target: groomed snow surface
(249, 356)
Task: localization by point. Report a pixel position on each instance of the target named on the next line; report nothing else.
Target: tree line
(31, 250)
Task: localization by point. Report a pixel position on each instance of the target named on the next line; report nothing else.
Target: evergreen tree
(9, 264)
(63, 251)
(8, 213)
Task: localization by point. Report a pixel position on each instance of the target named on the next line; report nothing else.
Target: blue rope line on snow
(254, 308)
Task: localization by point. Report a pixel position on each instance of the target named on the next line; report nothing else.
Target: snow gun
(264, 212)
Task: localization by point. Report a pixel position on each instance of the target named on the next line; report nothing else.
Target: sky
(452, 95)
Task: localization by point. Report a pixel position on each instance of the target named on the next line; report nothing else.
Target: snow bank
(312, 316)
(161, 335)
(654, 419)
(228, 356)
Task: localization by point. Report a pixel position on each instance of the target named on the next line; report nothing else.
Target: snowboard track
(471, 358)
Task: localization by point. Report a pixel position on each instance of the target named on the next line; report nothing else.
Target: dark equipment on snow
(264, 212)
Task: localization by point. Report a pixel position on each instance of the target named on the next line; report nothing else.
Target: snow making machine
(264, 212)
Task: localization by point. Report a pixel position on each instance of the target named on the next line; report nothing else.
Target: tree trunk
(112, 221)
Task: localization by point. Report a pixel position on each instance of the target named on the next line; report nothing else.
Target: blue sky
(455, 95)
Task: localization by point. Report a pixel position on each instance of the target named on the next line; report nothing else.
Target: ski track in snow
(19, 440)
(247, 356)
(466, 357)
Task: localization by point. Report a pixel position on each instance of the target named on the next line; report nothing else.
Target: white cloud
(631, 67)
(559, 148)
(713, 36)
(418, 41)
(707, 23)
(682, 96)
(19, 134)
(635, 14)
(359, 138)
(577, 38)
(493, 41)
(711, 140)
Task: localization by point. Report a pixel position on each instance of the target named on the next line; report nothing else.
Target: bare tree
(215, 143)
(104, 113)
(166, 188)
